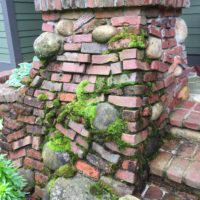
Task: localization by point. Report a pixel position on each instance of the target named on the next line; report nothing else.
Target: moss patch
(42, 97)
(66, 171)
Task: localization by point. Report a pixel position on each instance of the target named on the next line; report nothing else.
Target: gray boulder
(77, 188)
(28, 175)
(47, 45)
(106, 114)
(53, 160)
(104, 33)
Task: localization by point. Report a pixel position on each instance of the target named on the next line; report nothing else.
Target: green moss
(56, 103)
(136, 41)
(66, 171)
(102, 191)
(42, 97)
(51, 184)
(59, 143)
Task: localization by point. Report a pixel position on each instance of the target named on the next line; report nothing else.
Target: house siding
(192, 18)
(28, 26)
(4, 51)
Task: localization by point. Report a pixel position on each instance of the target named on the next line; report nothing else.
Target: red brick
(22, 142)
(98, 70)
(58, 5)
(36, 142)
(79, 38)
(18, 163)
(188, 105)
(41, 178)
(37, 64)
(197, 107)
(169, 80)
(48, 27)
(70, 87)
(17, 154)
(158, 85)
(76, 150)
(159, 164)
(154, 192)
(54, 67)
(26, 119)
(168, 32)
(116, 68)
(177, 117)
(128, 20)
(192, 121)
(82, 142)
(130, 165)
(155, 31)
(159, 66)
(75, 57)
(150, 76)
(103, 59)
(46, 16)
(101, 14)
(79, 128)
(87, 169)
(16, 135)
(192, 175)
(12, 124)
(129, 102)
(67, 132)
(187, 150)
(65, 78)
(34, 154)
(73, 67)
(176, 169)
(68, 97)
(50, 95)
(126, 176)
(72, 47)
(130, 115)
(39, 192)
(136, 138)
(135, 64)
(128, 54)
(28, 162)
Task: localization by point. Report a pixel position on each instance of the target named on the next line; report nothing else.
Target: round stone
(128, 197)
(106, 114)
(65, 27)
(104, 33)
(47, 45)
(181, 30)
(28, 175)
(178, 71)
(77, 188)
(157, 109)
(184, 94)
(154, 48)
(53, 160)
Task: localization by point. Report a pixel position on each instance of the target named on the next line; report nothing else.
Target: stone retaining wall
(135, 63)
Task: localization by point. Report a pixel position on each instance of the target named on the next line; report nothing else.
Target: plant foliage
(11, 183)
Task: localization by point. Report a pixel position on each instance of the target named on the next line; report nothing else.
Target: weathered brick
(82, 142)
(46, 16)
(126, 176)
(178, 116)
(17, 154)
(16, 135)
(39, 192)
(72, 46)
(67, 97)
(26, 119)
(94, 48)
(48, 85)
(136, 138)
(130, 165)
(73, 67)
(111, 157)
(47, 27)
(98, 70)
(28, 162)
(130, 115)
(61, 77)
(12, 124)
(37, 81)
(82, 38)
(103, 59)
(116, 68)
(34, 154)
(129, 102)
(75, 57)
(128, 54)
(22, 142)
(33, 102)
(135, 64)
(128, 20)
(70, 87)
(192, 121)
(18, 163)
(77, 150)
(50, 95)
(36, 142)
(34, 129)
(67, 132)
(87, 169)
(41, 178)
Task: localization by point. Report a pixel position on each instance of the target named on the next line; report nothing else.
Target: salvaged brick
(22, 142)
(72, 46)
(98, 70)
(47, 27)
(67, 97)
(12, 124)
(77, 149)
(82, 142)
(113, 158)
(67, 132)
(103, 59)
(50, 95)
(48, 85)
(128, 20)
(128, 102)
(36, 142)
(16, 135)
(31, 163)
(17, 154)
(41, 178)
(61, 77)
(34, 154)
(94, 48)
(126, 176)
(135, 64)
(130, 165)
(116, 68)
(34, 129)
(73, 67)
(82, 38)
(33, 102)
(26, 119)
(87, 169)
(128, 54)
(136, 138)
(75, 57)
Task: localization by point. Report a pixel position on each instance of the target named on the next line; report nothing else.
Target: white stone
(181, 30)
(65, 27)
(157, 109)
(154, 48)
(178, 71)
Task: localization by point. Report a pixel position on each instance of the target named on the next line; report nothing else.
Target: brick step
(185, 121)
(178, 161)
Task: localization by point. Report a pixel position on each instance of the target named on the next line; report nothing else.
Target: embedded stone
(105, 115)
(65, 27)
(178, 71)
(47, 45)
(53, 160)
(181, 30)
(104, 33)
(154, 48)
(28, 175)
(157, 109)
(184, 93)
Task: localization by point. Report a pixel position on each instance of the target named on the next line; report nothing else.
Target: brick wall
(156, 88)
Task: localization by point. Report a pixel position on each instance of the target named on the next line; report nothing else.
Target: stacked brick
(83, 58)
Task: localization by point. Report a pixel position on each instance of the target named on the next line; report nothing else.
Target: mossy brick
(49, 95)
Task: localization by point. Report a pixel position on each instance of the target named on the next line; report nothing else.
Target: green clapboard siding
(4, 52)
(192, 18)
(29, 25)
